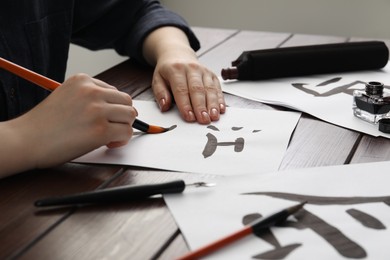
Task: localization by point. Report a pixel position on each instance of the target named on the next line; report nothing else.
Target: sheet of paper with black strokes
(347, 215)
(327, 97)
(242, 141)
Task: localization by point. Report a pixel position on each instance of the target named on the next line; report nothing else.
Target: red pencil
(255, 227)
(51, 85)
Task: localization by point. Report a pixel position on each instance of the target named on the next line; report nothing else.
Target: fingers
(118, 104)
(112, 109)
(214, 97)
(121, 115)
(206, 93)
(179, 87)
(119, 135)
(196, 90)
(113, 95)
(102, 84)
(221, 100)
(161, 92)
(116, 125)
(117, 144)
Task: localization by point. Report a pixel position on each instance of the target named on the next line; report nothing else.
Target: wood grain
(21, 224)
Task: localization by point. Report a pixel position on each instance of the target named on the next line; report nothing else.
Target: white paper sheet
(331, 102)
(347, 215)
(244, 141)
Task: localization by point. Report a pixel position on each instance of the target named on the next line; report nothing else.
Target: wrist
(166, 42)
(17, 151)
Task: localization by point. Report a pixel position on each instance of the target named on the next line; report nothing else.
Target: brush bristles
(156, 129)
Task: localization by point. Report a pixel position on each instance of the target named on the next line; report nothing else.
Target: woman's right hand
(79, 116)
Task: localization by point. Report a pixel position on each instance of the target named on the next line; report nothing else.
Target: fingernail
(136, 111)
(191, 116)
(222, 108)
(205, 116)
(214, 113)
(162, 103)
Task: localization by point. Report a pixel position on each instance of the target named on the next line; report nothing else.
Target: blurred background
(349, 18)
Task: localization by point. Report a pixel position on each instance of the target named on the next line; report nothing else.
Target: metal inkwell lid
(374, 88)
(384, 125)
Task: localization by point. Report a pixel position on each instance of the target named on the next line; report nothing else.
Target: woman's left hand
(179, 77)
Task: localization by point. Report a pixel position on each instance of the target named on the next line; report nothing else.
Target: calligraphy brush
(51, 85)
(255, 227)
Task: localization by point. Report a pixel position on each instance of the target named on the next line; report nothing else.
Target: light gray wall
(90, 62)
(355, 18)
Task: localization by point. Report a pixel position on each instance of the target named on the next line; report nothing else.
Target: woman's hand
(78, 117)
(196, 90)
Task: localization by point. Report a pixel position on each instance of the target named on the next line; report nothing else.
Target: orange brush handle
(29, 75)
(210, 248)
(51, 85)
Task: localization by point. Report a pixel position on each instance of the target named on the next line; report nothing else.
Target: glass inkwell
(371, 104)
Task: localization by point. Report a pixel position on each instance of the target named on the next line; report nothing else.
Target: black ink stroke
(279, 251)
(212, 144)
(305, 219)
(365, 219)
(337, 90)
(329, 81)
(213, 128)
(319, 200)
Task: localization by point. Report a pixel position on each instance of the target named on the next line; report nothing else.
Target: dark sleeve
(123, 24)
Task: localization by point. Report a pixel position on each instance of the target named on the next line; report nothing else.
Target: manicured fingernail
(222, 108)
(136, 112)
(191, 116)
(162, 103)
(214, 113)
(205, 116)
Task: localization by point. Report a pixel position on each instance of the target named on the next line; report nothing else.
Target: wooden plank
(372, 149)
(133, 230)
(119, 231)
(211, 37)
(128, 77)
(177, 248)
(308, 39)
(20, 222)
(317, 143)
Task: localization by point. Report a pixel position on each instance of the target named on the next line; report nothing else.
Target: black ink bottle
(371, 104)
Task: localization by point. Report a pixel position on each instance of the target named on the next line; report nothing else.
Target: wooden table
(146, 230)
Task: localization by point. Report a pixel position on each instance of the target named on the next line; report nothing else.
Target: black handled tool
(124, 193)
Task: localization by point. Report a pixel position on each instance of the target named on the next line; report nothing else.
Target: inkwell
(373, 105)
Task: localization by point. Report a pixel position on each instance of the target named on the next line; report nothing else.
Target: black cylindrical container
(308, 60)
